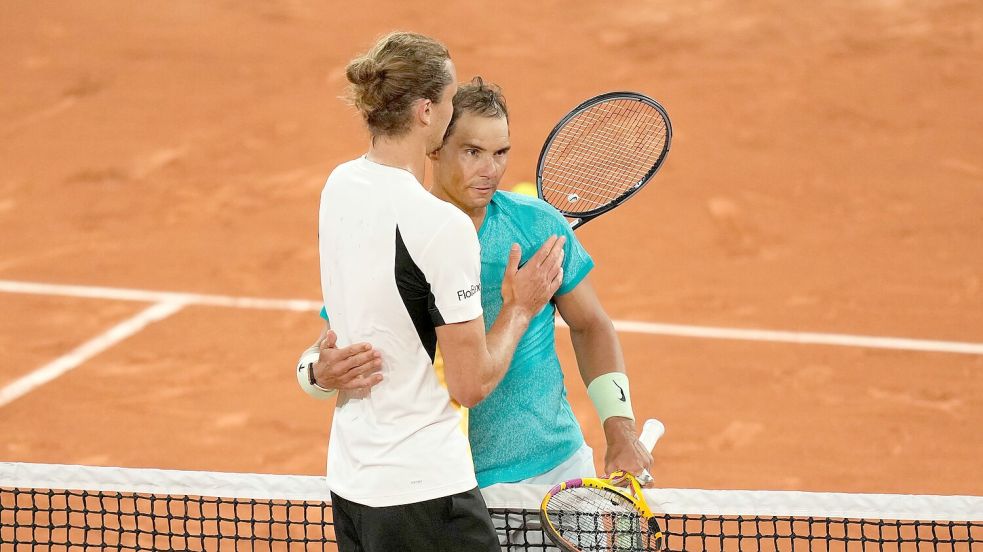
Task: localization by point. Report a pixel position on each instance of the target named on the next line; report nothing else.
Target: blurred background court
(826, 176)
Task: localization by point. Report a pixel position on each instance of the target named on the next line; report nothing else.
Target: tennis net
(60, 507)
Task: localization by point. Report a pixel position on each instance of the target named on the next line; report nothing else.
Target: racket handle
(652, 431)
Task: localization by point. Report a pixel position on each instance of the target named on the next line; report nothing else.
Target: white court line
(123, 294)
(87, 350)
(799, 338)
(651, 328)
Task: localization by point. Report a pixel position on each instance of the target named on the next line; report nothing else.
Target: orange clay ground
(826, 176)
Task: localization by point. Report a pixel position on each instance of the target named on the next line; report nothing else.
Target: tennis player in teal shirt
(524, 430)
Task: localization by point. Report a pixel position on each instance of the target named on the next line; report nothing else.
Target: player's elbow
(468, 402)
(466, 391)
(468, 397)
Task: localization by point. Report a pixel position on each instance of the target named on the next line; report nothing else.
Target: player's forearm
(597, 348)
(598, 352)
(502, 339)
(474, 362)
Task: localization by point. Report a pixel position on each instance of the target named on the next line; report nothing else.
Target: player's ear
(423, 110)
(435, 155)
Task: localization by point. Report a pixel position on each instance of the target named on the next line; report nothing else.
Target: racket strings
(631, 136)
(614, 137)
(618, 144)
(590, 520)
(602, 153)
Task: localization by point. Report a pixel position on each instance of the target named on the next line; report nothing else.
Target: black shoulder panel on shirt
(417, 297)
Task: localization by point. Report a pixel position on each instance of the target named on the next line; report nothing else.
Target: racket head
(602, 153)
(590, 514)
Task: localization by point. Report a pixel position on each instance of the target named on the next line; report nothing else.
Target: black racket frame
(586, 216)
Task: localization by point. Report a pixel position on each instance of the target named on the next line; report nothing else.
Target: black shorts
(452, 523)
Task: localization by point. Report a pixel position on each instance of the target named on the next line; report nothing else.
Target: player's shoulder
(361, 170)
(447, 233)
(449, 215)
(346, 169)
(522, 203)
(523, 207)
(347, 177)
(430, 217)
(430, 209)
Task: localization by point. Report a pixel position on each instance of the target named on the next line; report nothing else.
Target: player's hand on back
(624, 451)
(533, 285)
(354, 367)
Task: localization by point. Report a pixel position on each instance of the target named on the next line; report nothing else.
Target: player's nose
(487, 169)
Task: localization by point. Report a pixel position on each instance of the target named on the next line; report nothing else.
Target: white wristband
(610, 395)
(305, 375)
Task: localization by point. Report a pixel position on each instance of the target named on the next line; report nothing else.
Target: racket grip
(652, 431)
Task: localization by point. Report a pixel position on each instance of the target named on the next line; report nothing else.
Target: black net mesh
(32, 519)
(184, 511)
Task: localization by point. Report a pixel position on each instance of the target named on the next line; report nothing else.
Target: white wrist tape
(305, 376)
(610, 395)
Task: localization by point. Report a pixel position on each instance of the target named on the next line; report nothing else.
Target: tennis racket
(602, 153)
(594, 514)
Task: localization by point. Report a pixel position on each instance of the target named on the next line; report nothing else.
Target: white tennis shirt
(396, 262)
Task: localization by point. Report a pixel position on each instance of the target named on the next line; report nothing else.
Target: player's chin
(482, 194)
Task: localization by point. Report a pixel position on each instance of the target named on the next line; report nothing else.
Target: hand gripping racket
(602, 153)
(594, 514)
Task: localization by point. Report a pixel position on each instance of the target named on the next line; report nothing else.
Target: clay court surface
(826, 176)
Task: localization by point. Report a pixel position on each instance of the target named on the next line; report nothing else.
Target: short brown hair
(400, 69)
(478, 98)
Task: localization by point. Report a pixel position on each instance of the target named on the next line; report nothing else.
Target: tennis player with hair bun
(524, 430)
(401, 269)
